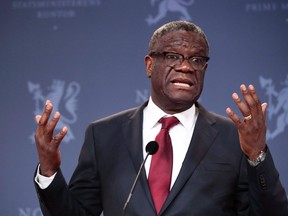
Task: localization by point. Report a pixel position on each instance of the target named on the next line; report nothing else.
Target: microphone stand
(151, 149)
(134, 184)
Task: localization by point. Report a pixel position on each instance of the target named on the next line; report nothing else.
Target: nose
(184, 67)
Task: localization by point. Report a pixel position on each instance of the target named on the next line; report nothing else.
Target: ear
(205, 68)
(149, 65)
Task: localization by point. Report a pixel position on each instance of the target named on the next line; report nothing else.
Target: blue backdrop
(87, 56)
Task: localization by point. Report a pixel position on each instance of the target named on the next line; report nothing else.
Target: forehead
(181, 40)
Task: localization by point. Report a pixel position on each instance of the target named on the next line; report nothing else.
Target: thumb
(37, 118)
(264, 109)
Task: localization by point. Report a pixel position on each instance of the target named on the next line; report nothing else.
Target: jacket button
(262, 181)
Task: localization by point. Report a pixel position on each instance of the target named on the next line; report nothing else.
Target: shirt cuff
(42, 181)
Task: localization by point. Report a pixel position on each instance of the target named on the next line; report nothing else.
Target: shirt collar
(154, 113)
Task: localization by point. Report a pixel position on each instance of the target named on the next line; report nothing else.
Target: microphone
(151, 148)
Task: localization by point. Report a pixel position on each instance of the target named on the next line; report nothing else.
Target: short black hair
(175, 26)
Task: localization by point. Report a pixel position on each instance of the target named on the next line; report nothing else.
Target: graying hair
(175, 26)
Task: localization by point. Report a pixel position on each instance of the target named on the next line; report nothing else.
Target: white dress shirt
(180, 134)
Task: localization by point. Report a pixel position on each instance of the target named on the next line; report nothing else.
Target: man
(218, 169)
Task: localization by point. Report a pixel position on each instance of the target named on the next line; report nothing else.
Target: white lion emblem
(63, 101)
(277, 105)
(166, 6)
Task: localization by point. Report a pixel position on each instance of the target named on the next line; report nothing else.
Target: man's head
(176, 64)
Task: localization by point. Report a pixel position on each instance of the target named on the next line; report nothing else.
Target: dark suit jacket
(215, 178)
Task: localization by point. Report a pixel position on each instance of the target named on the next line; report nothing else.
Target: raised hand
(252, 126)
(48, 146)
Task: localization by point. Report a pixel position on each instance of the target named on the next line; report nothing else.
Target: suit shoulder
(222, 119)
(118, 118)
(214, 118)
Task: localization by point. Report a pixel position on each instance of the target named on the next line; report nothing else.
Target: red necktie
(160, 173)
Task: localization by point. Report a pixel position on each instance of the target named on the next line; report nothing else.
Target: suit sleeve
(82, 197)
(267, 195)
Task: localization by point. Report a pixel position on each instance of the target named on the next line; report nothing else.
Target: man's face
(176, 88)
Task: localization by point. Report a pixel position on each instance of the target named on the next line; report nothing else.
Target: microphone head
(152, 147)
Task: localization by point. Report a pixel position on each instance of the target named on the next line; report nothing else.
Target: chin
(184, 97)
(183, 101)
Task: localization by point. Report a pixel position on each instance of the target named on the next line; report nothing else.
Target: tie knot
(168, 122)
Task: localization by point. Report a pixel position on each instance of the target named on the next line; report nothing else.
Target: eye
(173, 56)
(197, 60)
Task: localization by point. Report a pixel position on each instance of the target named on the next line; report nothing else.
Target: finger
(59, 137)
(248, 97)
(45, 115)
(244, 109)
(52, 125)
(37, 118)
(264, 109)
(256, 104)
(234, 117)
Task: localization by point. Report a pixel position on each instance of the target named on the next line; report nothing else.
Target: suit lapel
(133, 136)
(202, 139)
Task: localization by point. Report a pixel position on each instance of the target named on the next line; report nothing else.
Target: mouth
(182, 83)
